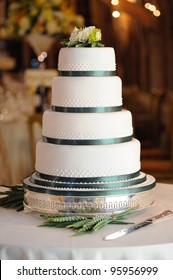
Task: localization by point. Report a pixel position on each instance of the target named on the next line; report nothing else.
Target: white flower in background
(39, 16)
(56, 2)
(47, 14)
(14, 6)
(24, 25)
(60, 16)
(52, 27)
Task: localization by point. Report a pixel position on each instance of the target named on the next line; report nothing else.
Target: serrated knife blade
(137, 226)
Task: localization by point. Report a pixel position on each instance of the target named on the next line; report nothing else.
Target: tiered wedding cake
(88, 161)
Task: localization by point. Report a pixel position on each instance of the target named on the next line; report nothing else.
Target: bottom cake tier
(48, 195)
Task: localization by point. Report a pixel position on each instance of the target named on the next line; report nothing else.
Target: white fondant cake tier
(87, 125)
(87, 91)
(86, 59)
(88, 160)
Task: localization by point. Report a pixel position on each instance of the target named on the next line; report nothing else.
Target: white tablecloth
(22, 239)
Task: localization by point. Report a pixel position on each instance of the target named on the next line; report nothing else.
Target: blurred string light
(151, 7)
(37, 62)
(42, 56)
(115, 2)
(116, 14)
(132, 1)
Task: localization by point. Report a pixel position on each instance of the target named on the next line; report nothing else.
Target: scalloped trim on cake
(83, 173)
(83, 66)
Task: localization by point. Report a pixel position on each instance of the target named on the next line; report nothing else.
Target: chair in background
(159, 162)
(138, 103)
(152, 148)
(152, 114)
(35, 119)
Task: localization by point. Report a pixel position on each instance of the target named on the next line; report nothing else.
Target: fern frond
(13, 197)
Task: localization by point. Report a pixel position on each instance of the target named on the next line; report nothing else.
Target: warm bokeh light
(40, 58)
(153, 9)
(132, 1)
(147, 5)
(115, 2)
(44, 54)
(156, 13)
(116, 14)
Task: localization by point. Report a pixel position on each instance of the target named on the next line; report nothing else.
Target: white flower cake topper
(84, 37)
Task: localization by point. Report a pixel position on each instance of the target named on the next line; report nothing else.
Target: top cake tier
(86, 59)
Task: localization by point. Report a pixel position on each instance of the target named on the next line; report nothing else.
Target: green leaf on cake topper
(84, 37)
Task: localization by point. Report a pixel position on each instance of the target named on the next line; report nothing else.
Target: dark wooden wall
(144, 49)
(144, 54)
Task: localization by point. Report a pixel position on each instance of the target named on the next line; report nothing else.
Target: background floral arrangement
(50, 17)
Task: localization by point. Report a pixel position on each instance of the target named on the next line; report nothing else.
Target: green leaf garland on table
(13, 198)
(84, 224)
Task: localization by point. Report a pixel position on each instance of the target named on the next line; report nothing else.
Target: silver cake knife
(146, 222)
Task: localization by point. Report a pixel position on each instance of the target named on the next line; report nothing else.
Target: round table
(21, 238)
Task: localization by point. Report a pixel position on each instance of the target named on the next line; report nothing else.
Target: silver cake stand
(87, 201)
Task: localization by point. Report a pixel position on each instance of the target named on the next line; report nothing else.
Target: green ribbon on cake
(109, 185)
(88, 179)
(86, 109)
(89, 193)
(87, 73)
(87, 142)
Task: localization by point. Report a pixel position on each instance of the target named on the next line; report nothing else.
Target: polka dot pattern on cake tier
(83, 102)
(86, 136)
(82, 173)
(82, 67)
